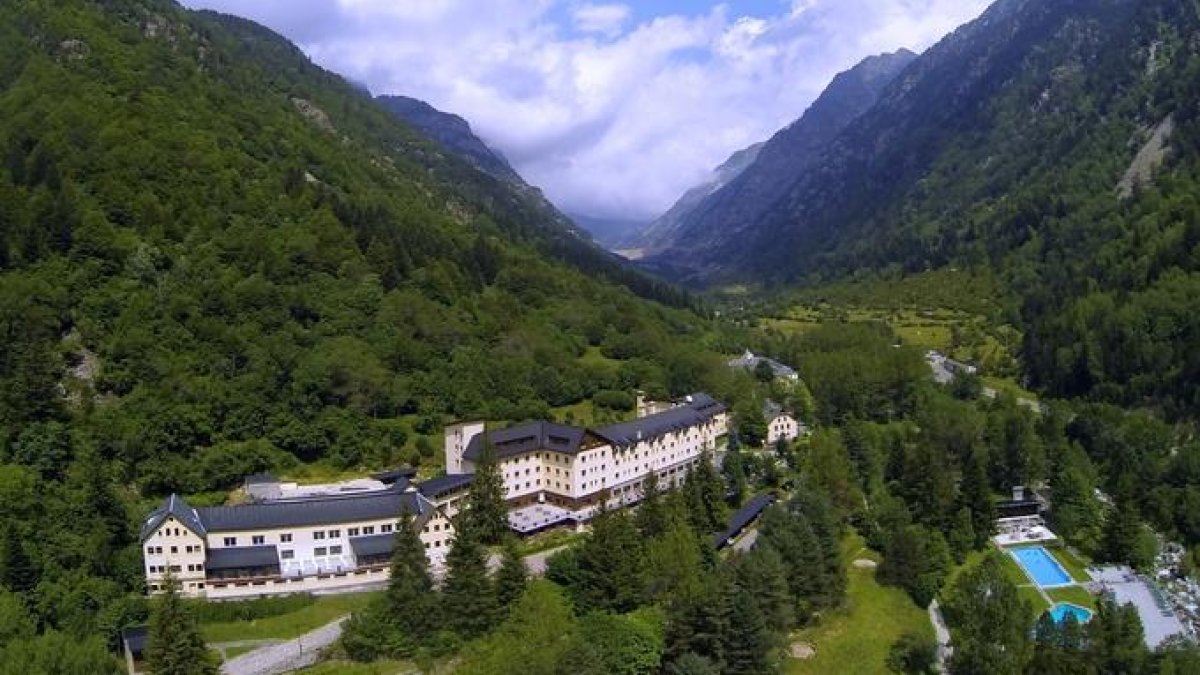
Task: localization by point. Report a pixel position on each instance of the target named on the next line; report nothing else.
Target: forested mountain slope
(1053, 141)
(697, 237)
(216, 254)
(452, 132)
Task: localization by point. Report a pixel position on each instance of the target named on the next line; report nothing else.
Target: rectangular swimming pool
(1041, 566)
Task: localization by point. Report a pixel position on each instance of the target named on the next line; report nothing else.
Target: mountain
(658, 234)
(612, 233)
(693, 238)
(1053, 144)
(217, 257)
(453, 133)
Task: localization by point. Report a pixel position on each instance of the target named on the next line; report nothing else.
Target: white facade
(457, 438)
(287, 559)
(782, 426)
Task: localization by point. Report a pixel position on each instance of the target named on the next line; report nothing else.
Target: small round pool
(1062, 610)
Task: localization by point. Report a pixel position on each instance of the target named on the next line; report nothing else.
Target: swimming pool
(1062, 610)
(1041, 566)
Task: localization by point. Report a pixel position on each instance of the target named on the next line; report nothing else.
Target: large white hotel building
(290, 539)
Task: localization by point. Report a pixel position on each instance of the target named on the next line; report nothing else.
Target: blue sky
(613, 108)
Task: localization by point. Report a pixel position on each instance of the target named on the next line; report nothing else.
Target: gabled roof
(442, 485)
(743, 517)
(698, 409)
(271, 515)
(373, 545)
(241, 556)
(528, 437)
(177, 508)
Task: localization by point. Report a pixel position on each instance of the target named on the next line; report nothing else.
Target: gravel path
(942, 633)
(286, 656)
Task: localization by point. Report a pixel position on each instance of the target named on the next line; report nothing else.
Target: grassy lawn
(548, 540)
(287, 626)
(1036, 602)
(1013, 571)
(352, 668)
(856, 638)
(1007, 386)
(234, 652)
(1074, 595)
(1075, 566)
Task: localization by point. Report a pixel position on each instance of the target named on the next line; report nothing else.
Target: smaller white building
(781, 424)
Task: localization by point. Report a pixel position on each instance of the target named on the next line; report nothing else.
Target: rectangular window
(352, 532)
(370, 529)
(231, 541)
(334, 534)
(174, 549)
(385, 528)
(149, 550)
(258, 540)
(319, 534)
(320, 551)
(176, 568)
(286, 537)
(287, 555)
(335, 550)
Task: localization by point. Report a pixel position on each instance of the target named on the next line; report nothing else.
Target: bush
(249, 610)
(913, 653)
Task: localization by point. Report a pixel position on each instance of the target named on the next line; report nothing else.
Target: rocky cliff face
(715, 216)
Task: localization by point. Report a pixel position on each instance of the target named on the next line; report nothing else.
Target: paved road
(286, 656)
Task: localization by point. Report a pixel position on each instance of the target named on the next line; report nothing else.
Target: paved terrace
(1159, 621)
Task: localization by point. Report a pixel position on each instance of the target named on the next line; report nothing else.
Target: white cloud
(604, 19)
(611, 115)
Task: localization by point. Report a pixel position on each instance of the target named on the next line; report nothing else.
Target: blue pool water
(1041, 566)
(1062, 610)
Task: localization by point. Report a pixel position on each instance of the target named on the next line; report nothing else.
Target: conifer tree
(962, 535)
(747, 642)
(468, 594)
(651, 515)
(17, 571)
(610, 565)
(976, 496)
(486, 509)
(705, 493)
(762, 575)
(512, 577)
(174, 645)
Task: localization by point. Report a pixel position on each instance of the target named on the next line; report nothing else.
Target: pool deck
(1159, 622)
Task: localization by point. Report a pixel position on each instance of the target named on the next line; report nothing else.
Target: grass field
(1075, 595)
(1014, 572)
(287, 626)
(1075, 566)
(1037, 603)
(548, 540)
(352, 668)
(856, 638)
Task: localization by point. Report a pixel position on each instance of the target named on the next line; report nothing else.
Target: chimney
(1018, 493)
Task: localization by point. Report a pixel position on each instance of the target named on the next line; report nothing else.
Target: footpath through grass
(855, 639)
(287, 626)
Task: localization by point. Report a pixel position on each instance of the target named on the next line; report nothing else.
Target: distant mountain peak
(452, 132)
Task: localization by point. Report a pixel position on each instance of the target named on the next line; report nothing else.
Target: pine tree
(762, 575)
(610, 565)
(512, 577)
(17, 571)
(468, 594)
(747, 642)
(962, 535)
(735, 474)
(486, 508)
(976, 496)
(705, 492)
(651, 515)
(174, 645)
(989, 622)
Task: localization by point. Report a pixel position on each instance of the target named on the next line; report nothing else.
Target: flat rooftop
(1158, 620)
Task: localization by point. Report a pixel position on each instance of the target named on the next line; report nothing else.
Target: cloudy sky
(614, 109)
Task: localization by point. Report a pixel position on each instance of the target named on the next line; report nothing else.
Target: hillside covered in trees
(1054, 144)
(218, 258)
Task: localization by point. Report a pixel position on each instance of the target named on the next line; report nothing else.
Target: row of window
(158, 550)
(317, 535)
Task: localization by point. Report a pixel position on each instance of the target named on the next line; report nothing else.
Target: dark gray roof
(405, 473)
(436, 487)
(699, 409)
(375, 544)
(174, 506)
(135, 637)
(373, 506)
(749, 361)
(743, 517)
(528, 437)
(238, 557)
